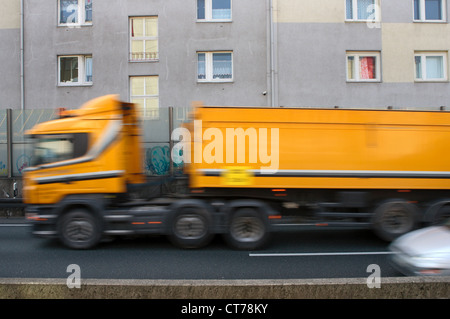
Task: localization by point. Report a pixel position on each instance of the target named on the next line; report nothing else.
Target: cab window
(57, 147)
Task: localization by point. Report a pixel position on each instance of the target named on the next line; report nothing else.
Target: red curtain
(367, 65)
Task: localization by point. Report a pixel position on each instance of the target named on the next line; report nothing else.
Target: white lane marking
(320, 254)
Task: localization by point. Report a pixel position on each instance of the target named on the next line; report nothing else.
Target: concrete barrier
(391, 288)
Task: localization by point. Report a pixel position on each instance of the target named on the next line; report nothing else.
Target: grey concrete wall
(311, 63)
(401, 11)
(180, 36)
(10, 68)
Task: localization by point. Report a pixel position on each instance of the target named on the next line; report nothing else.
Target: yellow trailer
(321, 149)
(251, 171)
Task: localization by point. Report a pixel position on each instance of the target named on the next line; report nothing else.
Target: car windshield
(50, 149)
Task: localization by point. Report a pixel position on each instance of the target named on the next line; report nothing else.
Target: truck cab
(89, 154)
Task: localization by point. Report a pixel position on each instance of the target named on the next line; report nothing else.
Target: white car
(423, 252)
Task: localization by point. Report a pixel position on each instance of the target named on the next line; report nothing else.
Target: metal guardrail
(12, 203)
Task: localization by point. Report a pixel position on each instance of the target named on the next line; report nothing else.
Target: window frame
(81, 70)
(209, 67)
(209, 12)
(423, 55)
(78, 143)
(143, 38)
(142, 113)
(355, 12)
(81, 15)
(422, 13)
(356, 55)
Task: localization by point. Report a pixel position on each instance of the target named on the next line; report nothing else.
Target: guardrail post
(170, 139)
(9, 141)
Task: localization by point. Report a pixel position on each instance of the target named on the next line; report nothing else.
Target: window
(214, 10)
(55, 148)
(429, 10)
(144, 91)
(143, 39)
(431, 66)
(363, 66)
(75, 12)
(215, 66)
(75, 70)
(362, 10)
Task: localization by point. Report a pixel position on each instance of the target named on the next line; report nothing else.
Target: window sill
(362, 81)
(430, 21)
(431, 81)
(215, 21)
(74, 84)
(215, 81)
(75, 25)
(144, 61)
(363, 21)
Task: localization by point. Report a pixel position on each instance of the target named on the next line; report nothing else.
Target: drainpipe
(22, 79)
(273, 54)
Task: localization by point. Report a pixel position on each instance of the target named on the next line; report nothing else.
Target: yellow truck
(252, 171)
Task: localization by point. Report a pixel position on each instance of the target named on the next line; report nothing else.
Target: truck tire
(394, 218)
(247, 230)
(79, 229)
(191, 228)
(441, 216)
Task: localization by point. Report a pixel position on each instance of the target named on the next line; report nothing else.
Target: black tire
(79, 229)
(394, 218)
(441, 216)
(191, 228)
(247, 230)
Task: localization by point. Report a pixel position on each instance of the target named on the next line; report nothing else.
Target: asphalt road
(322, 253)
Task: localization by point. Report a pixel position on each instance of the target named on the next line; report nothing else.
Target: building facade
(362, 53)
(291, 53)
(10, 54)
(270, 53)
(157, 53)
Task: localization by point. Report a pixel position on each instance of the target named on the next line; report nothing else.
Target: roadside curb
(345, 288)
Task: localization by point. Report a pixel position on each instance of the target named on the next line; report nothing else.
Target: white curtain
(435, 67)
(201, 66)
(349, 9)
(222, 68)
(366, 9)
(221, 9)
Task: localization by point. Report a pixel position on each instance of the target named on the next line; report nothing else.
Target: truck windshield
(55, 148)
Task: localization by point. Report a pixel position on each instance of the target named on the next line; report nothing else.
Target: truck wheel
(190, 228)
(394, 218)
(441, 216)
(78, 229)
(247, 230)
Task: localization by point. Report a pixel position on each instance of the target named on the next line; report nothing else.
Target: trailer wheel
(247, 230)
(190, 228)
(79, 229)
(394, 218)
(441, 216)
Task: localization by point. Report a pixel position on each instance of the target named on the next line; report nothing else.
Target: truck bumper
(43, 222)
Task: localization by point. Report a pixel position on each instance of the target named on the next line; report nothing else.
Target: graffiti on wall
(3, 169)
(157, 161)
(23, 161)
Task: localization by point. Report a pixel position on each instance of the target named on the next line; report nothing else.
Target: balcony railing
(143, 56)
